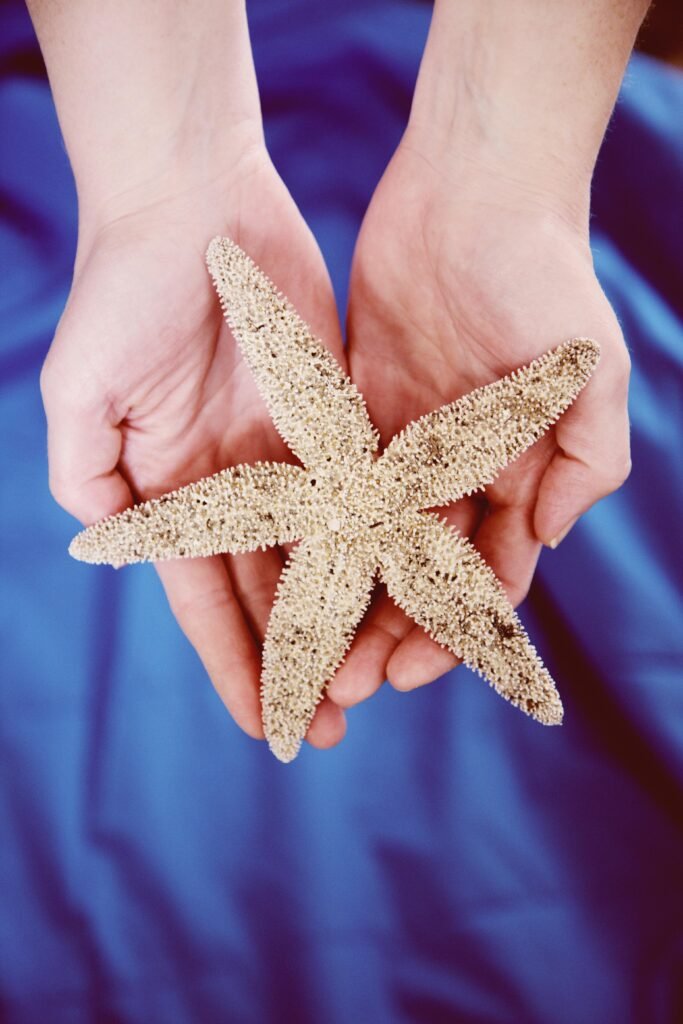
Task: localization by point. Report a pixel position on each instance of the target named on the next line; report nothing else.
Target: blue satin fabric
(450, 861)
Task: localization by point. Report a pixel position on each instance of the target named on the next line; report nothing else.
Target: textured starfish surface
(355, 513)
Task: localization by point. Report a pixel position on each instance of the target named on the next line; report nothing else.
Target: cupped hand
(458, 278)
(145, 390)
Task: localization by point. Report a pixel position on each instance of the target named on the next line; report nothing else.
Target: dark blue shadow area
(450, 861)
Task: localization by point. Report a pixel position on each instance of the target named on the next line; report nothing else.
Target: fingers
(417, 661)
(507, 543)
(593, 457)
(201, 597)
(254, 578)
(84, 444)
(328, 726)
(364, 669)
(203, 600)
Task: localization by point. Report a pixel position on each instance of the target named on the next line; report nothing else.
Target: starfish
(355, 512)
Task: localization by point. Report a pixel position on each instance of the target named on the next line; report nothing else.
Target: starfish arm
(442, 582)
(322, 595)
(238, 509)
(463, 446)
(316, 409)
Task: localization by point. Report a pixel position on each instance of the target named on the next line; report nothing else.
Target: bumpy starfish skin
(355, 514)
(321, 597)
(440, 580)
(315, 407)
(463, 446)
(238, 509)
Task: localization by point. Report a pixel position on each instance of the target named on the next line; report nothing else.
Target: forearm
(524, 89)
(148, 91)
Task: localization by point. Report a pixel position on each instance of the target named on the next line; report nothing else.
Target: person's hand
(457, 279)
(473, 259)
(145, 390)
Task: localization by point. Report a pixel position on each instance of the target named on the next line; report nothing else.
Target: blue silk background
(451, 860)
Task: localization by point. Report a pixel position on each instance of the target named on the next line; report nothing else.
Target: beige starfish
(355, 514)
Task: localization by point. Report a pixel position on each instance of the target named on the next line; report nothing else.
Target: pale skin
(472, 259)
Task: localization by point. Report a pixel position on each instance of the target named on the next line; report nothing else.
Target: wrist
(481, 178)
(520, 94)
(149, 96)
(191, 172)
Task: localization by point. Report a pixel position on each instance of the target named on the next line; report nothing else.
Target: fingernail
(562, 534)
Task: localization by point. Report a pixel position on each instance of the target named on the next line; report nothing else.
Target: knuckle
(399, 681)
(616, 472)
(622, 368)
(252, 729)
(45, 380)
(60, 491)
(517, 591)
(519, 594)
(623, 470)
(193, 607)
(345, 698)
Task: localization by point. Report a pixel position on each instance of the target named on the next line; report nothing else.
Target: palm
(448, 293)
(180, 401)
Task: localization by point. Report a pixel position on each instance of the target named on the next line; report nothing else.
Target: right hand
(145, 390)
(456, 283)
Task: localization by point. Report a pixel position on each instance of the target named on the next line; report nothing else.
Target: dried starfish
(353, 512)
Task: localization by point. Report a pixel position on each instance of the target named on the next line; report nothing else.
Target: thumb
(84, 445)
(593, 450)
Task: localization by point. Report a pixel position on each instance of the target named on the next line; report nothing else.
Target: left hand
(146, 390)
(458, 279)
